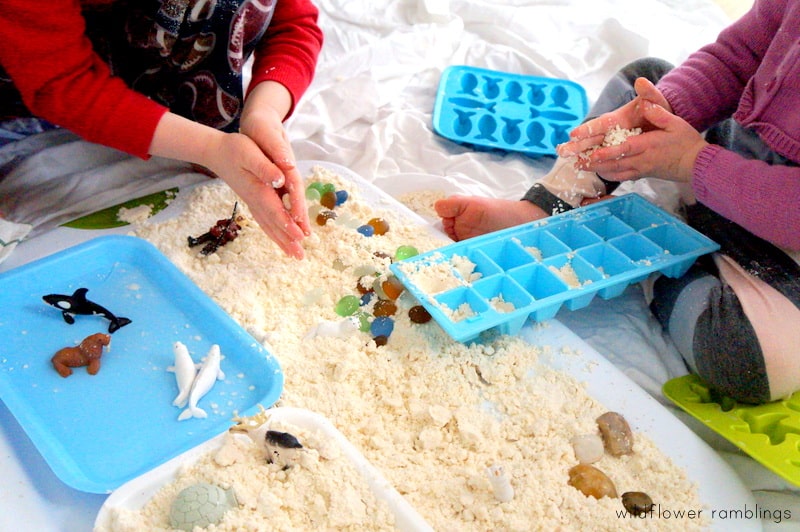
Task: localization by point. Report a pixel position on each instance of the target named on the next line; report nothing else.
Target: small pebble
(637, 503)
(347, 220)
(314, 209)
(591, 481)
(588, 448)
(616, 432)
(377, 287)
(364, 285)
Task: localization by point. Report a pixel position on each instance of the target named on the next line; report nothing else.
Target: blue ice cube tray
(489, 109)
(537, 267)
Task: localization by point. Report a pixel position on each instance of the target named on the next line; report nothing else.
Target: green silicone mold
(770, 433)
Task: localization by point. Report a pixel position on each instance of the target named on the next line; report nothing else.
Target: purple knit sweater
(752, 72)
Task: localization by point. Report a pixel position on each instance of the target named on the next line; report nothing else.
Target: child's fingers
(575, 147)
(645, 89)
(595, 127)
(657, 115)
(590, 134)
(297, 200)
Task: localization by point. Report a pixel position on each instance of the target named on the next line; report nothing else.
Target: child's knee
(714, 335)
(728, 357)
(651, 68)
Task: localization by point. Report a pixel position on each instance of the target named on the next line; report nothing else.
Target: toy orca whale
(77, 304)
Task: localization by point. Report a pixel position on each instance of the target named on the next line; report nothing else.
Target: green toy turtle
(200, 504)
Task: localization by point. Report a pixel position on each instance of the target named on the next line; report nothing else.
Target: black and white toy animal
(282, 448)
(77, 304)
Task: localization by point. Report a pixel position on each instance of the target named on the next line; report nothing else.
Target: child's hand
(590, 134)
(667, 151)
(248, 168)
(262, 120)
(241, 163)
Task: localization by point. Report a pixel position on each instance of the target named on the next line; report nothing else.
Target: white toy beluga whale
(185, 371)
(208, 374)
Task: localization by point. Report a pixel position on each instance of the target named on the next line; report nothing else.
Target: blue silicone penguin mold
(532, 270)
(497, 110)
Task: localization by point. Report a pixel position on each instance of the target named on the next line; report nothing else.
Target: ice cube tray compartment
(562, 261)
(770, 433)
(489, 109)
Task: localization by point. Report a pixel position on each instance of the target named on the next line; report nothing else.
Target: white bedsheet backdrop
(369, 109)
(370, 105)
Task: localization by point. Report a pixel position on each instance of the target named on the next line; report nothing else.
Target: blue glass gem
(382, 326)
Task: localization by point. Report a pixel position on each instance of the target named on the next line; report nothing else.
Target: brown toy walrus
(87, 354)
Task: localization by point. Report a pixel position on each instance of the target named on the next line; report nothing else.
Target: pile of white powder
(430, 413)
(614, 136)
(312, 494)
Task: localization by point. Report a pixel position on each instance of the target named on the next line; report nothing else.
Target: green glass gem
(405, 252)
(347, 306)
(363, 321)
(312, 194)
(327, 187)
(316, 185)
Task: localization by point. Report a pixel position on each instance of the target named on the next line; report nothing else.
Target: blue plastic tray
(565, 259)
(498, 110)
(97, 432)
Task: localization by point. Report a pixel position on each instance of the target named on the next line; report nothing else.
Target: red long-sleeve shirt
(51, 62)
